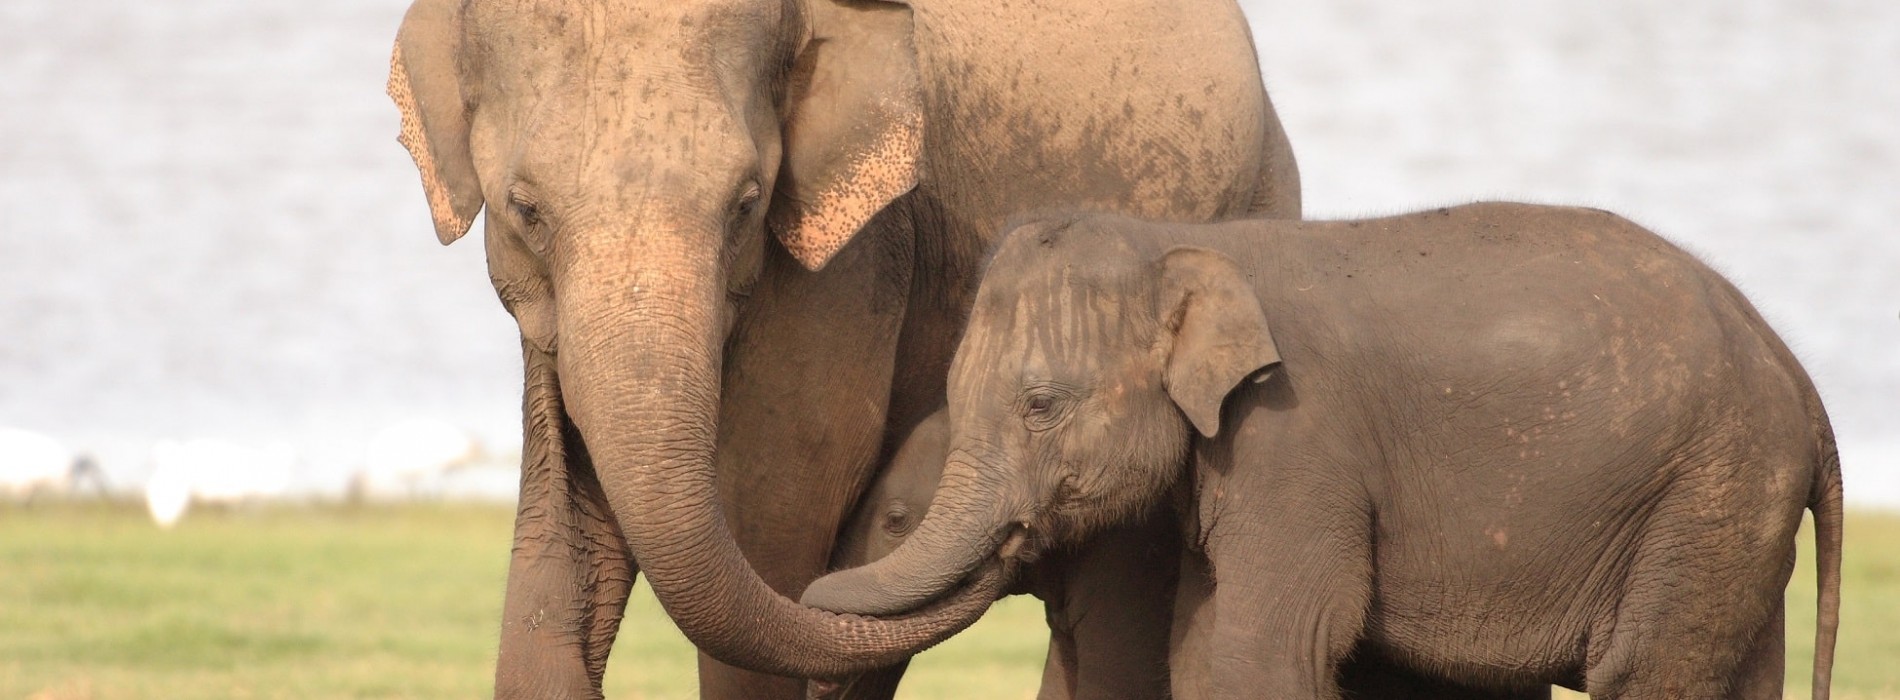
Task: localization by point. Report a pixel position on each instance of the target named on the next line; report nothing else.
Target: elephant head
(1085, 366)
(632, 159)
(896, 502)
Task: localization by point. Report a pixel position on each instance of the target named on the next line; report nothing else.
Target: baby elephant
(889, 511)
(898, 498)
(1501, 445)
(1100, 635)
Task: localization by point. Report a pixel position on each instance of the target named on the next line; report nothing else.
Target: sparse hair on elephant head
(1209, 324)
(1089, 358)
(1217, 330)
(1089, 362)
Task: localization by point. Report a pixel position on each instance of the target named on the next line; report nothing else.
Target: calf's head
(1086, 363)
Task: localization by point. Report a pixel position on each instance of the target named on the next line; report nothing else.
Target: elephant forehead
(1055, 327)
(655, 122)
(599, 39)
(577, 17)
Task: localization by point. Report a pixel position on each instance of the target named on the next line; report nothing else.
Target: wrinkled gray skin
(1500, 444)
(1101, 643)
(704, 212)
(1108, 638)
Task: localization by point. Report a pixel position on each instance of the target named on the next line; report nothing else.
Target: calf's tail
(1824, 500)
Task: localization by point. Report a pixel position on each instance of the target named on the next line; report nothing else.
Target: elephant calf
(1500, 444)
(1100, 657)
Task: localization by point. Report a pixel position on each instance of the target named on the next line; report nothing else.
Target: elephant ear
(427, 89)
(1219, 334)
(853, 126)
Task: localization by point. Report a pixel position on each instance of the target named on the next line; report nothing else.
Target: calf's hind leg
(1759, 677)
(1702, 602)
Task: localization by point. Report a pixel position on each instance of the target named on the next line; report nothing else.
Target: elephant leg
(803, 414)
(1295, 644)
(1189, 672)
(1058, 666)
(1291, 583)
(570, 571)
(1367, 677)
(1760, 676)
(1703, 586)
(1115, 611)
(880, 684)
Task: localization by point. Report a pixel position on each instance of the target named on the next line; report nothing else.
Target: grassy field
(402, 603)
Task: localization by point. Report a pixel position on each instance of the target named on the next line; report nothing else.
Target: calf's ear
(1217, 332)
(427, 89)
(853, 126)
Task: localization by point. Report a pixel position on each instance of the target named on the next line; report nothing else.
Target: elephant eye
(524, 206)
(897, 520)
(1043, 408)
(530, 215)
(748, 201)
(533, 231)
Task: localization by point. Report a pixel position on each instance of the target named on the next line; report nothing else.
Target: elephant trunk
(642, 380)
(967, 522)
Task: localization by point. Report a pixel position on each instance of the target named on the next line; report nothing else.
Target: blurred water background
(208, 230)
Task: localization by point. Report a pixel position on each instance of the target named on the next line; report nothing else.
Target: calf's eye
(897, 521)
(1042, 410)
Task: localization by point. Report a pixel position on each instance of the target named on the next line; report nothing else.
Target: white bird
(32, 463)
(403, 455)
(213, 471)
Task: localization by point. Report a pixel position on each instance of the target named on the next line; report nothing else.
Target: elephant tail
(1825, 501)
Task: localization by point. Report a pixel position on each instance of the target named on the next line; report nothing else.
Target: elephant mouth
(1028, 541)
(1020, 546)
(1020, 549)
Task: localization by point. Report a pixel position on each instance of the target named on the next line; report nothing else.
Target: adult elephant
(739, 237)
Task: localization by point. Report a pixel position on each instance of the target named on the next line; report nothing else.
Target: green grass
(402, 603)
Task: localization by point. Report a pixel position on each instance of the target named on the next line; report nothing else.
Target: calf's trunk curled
(969, 520)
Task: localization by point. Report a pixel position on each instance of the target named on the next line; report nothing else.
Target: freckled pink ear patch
(821, 221)
(448, 225)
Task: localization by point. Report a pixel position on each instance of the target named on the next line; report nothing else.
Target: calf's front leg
(1278, 601)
